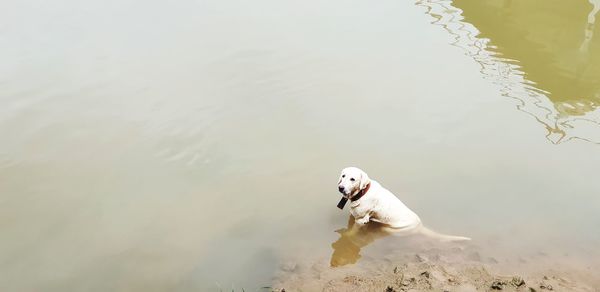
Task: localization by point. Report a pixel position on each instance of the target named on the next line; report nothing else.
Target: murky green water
(192, 146)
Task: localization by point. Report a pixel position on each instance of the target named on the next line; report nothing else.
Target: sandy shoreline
(436, 277)
(437, 267)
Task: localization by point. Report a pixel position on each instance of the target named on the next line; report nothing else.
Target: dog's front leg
(363, 220)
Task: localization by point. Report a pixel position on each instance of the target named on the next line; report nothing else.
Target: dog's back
(391, 211)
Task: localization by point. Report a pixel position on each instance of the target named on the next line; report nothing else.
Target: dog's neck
(360, 193)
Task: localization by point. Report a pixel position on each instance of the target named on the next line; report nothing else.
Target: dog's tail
(442, 237)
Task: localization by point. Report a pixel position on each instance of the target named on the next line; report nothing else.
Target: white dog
(372, 202)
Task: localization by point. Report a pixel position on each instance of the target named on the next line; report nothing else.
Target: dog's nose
(341, 189)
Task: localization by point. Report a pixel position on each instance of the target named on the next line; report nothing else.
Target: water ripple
(512, 80)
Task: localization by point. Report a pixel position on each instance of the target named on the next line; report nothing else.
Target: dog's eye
(343, 175)
(352, 179)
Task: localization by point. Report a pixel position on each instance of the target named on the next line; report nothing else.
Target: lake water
(194, 145)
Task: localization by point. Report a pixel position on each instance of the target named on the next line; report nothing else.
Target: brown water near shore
(196, 145)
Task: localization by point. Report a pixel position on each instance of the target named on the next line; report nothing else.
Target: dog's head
(352, 180)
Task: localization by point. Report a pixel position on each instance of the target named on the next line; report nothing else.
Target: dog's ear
(364, 180)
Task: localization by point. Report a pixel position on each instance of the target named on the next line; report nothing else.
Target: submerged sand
(425, 274)
(420, 264)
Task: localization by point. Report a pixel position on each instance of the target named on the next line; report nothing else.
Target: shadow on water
(543, 54)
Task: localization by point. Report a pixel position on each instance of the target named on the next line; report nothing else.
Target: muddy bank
(423, 266)
(434, 277)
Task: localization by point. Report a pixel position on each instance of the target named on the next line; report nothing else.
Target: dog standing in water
(372, 202)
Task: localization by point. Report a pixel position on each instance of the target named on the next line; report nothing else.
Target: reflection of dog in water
(346, 250)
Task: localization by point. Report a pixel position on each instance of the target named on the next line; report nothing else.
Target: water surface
(196, 145)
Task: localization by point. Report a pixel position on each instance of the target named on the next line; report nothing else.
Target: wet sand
(417, 263)
(431, 272)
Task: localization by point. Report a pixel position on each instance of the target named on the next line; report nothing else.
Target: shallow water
(194, 146)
